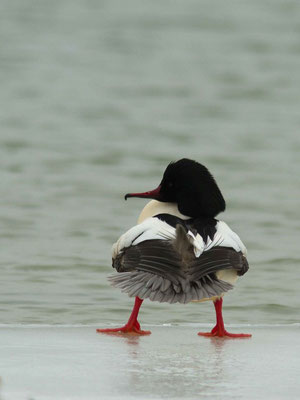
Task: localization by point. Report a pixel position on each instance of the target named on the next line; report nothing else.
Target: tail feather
(136, 283)
(183, 245)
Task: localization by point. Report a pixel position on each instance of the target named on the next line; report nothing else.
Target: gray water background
(96, 97)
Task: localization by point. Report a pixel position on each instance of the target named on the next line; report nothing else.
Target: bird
(179, 252)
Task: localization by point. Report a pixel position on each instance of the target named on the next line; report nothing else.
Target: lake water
(96, 98)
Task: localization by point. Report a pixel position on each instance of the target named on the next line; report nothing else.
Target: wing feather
(167, 264)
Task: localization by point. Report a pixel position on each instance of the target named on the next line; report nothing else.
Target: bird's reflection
(218, 343)
(175, 365)
(217, 350)
(133, 343)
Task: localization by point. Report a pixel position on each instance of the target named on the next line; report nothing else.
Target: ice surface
(66, 363)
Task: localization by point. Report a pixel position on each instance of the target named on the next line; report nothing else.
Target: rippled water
(96, 98)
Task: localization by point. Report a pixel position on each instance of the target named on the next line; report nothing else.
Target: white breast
(155, 207)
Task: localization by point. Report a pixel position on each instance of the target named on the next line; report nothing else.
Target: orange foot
(221, 332)
(127, 329)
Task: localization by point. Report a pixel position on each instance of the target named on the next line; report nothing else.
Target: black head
(190, 185)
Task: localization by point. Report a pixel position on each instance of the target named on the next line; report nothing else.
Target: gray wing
(216, 259)
(167, 271)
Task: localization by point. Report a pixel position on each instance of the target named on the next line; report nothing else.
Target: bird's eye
(170, 184)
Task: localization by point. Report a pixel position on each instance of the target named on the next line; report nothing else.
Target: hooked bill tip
(152, 194)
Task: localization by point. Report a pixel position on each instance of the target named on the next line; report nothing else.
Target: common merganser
(179, 252)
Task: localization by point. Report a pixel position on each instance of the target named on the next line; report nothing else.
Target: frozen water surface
(66, 363)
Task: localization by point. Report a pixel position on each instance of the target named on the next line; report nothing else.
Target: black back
(205, 226)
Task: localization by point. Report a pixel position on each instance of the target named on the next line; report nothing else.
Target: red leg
(219, 330)
(132, 327)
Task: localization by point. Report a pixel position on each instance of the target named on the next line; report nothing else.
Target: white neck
(155, 207)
